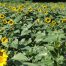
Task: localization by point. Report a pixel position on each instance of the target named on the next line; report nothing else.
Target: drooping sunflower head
(3, 57)
(2, 16)
(4, 40)
(10, 22)
(47, 20)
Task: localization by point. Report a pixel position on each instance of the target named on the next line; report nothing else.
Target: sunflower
(30, 9)
(4, 21)
(4, 40)
(13, 8)
(20, 8)
(39, 10)
(10, 22)
(63, 20)
(53, 23)
(2, 16)
(3, 57)
(45, 12)
(47, 20)
(44, 6)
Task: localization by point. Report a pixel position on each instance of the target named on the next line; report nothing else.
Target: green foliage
(14, 0)
(32, 41)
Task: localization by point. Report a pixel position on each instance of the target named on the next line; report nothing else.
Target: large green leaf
(14, 43)
(20, 57)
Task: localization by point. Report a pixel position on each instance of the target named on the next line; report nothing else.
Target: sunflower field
(32, 34)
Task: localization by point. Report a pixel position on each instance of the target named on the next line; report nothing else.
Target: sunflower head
(44, 6)
(3, 57)
(20, 8)
(10, 22)
(30, 9)
(14, 8)
(45, 12)
(2, 16)
(39, 10)
(53, 23)
(47, 20)
(4, 40)
(4, 21)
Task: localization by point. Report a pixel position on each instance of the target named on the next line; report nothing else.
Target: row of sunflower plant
(32, 34)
